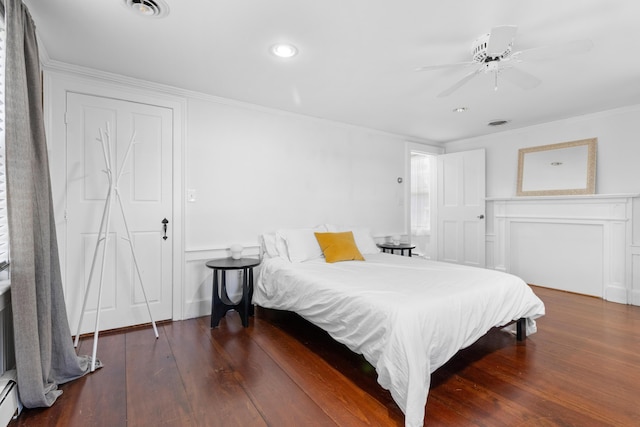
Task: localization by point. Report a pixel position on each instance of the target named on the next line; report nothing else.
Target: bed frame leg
(521, 329)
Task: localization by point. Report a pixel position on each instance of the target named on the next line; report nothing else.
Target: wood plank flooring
(582, 368)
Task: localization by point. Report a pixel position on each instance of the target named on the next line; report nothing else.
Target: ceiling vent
(148, 8)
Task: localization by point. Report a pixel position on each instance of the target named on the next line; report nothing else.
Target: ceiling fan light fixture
(284, 50)
(498, 122)
(148, 8)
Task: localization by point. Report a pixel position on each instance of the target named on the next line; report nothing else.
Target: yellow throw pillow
(339, 246)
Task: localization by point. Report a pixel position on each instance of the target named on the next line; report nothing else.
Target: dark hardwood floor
(582, 368)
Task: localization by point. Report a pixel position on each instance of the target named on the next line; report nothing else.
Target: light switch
(191, 196)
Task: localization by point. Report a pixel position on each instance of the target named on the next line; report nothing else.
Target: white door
(145, 191)
(461, 208)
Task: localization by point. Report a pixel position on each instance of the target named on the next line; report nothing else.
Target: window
(4, 229)
(421, 168)
(420, 193)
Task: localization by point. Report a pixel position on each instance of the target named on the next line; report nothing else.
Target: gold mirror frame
(538, 176)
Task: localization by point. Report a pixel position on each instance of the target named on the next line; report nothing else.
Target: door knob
(481, 216)
(164, 226)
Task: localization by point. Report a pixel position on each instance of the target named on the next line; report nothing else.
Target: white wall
(617, 172)
(256, 170)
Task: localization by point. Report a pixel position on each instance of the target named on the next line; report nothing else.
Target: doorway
(461, 207)
(446, 209)
(145, 189)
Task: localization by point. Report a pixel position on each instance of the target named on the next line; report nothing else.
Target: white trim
(423, 148)
(565, 199)
(411, 146)
(634, 293)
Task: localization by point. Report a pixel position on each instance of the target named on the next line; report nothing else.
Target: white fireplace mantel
(579, 244)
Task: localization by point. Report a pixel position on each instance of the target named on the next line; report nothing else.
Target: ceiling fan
(492, 53)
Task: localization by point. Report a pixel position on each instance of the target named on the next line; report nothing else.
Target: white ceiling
(357, 57)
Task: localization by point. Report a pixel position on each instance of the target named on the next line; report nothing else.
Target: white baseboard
(9, 404)
(616, 294)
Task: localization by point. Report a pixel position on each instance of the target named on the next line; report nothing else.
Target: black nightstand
(220, 302)
(391, 248)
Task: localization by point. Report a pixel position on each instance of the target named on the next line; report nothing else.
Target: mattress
(406, 316)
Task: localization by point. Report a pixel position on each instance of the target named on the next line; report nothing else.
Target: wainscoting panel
(558, 255)
(580, 244)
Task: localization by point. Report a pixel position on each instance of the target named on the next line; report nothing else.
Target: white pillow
(362, 236)
(269, 245)
(281, 247)
(300, 243)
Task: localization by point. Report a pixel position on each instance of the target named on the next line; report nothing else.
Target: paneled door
(143, 180)
(461, 208)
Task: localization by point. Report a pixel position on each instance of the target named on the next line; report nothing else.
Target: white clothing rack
(103, 237)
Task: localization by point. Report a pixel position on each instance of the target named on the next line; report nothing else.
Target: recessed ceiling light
(460, 109)
(284, 50)
(148, 8)
(498, 123)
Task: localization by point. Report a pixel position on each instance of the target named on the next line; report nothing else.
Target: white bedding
(407, 316)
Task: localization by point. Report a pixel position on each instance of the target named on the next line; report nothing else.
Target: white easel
(103, 236)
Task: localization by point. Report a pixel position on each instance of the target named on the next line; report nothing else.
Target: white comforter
(407, 316)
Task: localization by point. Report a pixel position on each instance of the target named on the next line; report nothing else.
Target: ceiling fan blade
(444, 66)
(460, 83)
(500, 38)
(554, 52)
(520, 78)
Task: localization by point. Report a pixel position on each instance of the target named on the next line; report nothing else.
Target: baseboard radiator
(9, 403)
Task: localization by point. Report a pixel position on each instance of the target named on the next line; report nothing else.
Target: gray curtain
(45, 356)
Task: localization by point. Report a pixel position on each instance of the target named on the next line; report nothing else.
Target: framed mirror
(568, 168)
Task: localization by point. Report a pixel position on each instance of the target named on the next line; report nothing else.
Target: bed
(407, 316)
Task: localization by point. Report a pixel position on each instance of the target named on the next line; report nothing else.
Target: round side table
(391, 248)
(220, 302)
